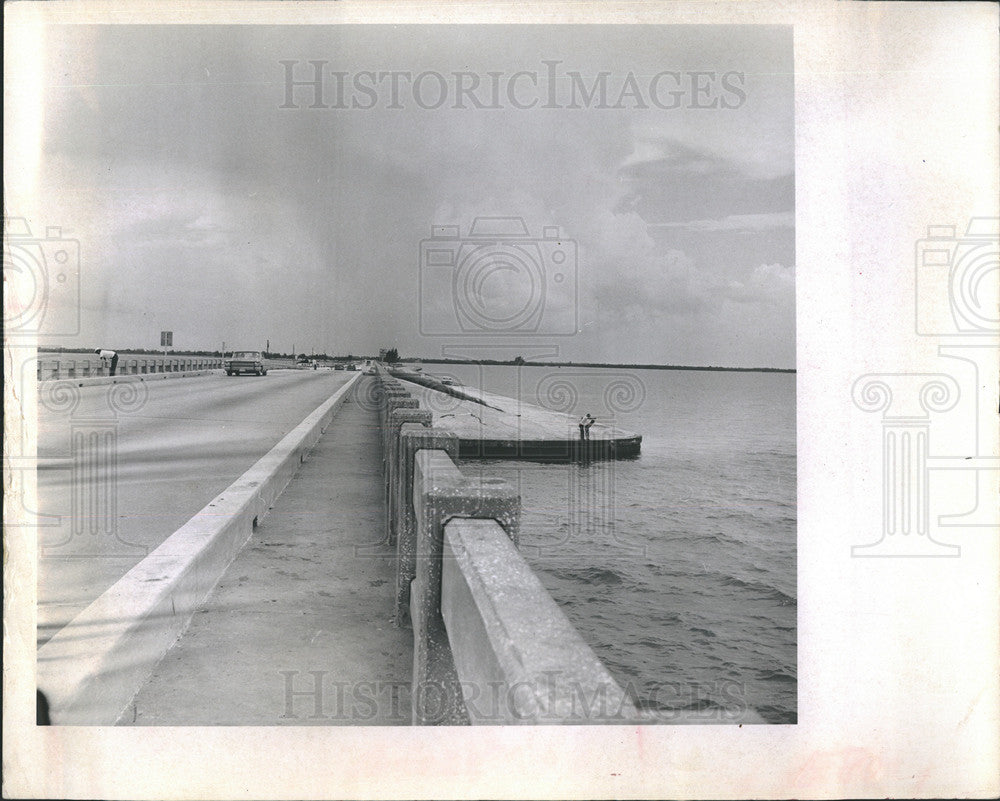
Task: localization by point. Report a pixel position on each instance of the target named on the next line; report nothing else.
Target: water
(678, 567)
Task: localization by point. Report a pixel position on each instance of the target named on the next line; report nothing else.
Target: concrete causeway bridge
(353, 575)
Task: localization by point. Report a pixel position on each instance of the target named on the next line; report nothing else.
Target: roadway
(123, 466)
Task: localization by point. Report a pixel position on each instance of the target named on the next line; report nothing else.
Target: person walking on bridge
(108, 356)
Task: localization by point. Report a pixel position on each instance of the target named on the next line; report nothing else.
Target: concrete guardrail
(490, 645)
(70, 366)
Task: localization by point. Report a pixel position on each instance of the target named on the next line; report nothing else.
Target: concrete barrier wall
(91, 669)
(89, 366)
(490, 645)
(88, 381)
(516, 644)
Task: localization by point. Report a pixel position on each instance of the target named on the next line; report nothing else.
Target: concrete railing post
(397, 418)
(413, 438)
(389, 390)
(441, 493)
(391, 404)
(385, 389)
(393, 399)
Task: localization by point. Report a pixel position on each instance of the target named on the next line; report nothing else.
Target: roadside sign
(166, 339)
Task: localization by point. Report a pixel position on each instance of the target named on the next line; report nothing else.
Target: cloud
(668, 182)
(669, 157)
(768, 284)
(736, 222)
(630, 276)
(223, 215)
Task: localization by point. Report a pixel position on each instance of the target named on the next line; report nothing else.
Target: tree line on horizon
(391, 356)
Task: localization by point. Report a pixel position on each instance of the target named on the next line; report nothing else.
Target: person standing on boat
(108, 356)
(585, 423)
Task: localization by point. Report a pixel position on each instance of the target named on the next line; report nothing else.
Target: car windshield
(246, 354)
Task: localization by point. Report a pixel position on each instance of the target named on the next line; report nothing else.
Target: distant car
(246, 361)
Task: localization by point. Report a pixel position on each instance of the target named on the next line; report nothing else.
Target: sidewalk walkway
(299, 630)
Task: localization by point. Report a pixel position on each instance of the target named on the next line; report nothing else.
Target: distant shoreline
(490, 362)
(512, 363)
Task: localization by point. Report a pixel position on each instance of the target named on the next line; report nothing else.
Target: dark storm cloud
(684, 184)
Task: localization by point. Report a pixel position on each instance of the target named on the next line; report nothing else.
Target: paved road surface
(299, 631)
(122, 466)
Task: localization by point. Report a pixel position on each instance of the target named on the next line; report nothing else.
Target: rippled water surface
(679, 566)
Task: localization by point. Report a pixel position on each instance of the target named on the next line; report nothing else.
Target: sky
(653, 223)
